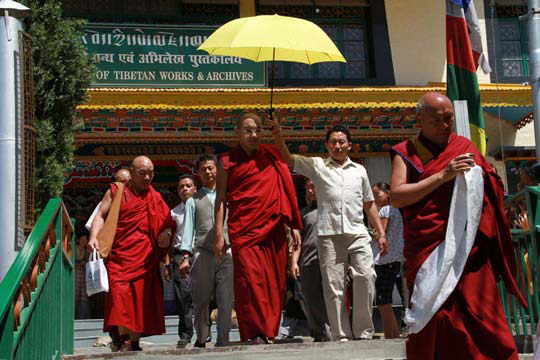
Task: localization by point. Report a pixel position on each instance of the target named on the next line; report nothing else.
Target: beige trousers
(340, 256)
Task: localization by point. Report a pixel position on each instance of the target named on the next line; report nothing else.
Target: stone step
(302, 349)
(87, 332)
(286, 350)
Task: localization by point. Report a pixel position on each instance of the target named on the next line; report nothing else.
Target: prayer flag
(464, 55)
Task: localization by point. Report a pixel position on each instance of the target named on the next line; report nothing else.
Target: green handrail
(37, 302)
(524, 212)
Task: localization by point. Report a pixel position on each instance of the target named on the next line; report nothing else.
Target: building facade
(173, 106)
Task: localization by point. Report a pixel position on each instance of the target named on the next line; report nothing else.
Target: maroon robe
(471, 323)
(261, 199)
(135, 297)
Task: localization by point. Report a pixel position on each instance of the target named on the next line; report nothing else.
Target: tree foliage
(62, 73)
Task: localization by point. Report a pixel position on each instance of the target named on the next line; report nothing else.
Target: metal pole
(9, 45)
(534, 65)
(10, 113)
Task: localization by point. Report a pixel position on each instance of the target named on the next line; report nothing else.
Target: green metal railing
(523, 211)
(37, 305)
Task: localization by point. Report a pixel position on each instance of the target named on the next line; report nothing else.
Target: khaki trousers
(339, 256)
(209, 279)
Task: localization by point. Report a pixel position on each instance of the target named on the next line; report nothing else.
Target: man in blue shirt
(209, 277)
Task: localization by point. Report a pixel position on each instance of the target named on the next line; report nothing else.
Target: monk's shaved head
(249, 131)
(435, 115)
(123, 175)
(141, 161)
(246, 116)
(142, 173)
(432, 101)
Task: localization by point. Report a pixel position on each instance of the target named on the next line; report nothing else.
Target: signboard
(164, 56)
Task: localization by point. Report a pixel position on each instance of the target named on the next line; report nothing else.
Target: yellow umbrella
(275, 38)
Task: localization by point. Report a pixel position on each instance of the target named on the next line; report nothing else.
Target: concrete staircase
(87, 332)
(299, 349)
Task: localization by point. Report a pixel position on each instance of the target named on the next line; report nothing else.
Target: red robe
(261, 199)
(135, 297)
(471, 323)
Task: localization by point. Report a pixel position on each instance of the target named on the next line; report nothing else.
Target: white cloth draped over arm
(440, 273)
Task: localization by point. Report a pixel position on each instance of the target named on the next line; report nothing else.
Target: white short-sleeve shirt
(341, 193)
(177, 214)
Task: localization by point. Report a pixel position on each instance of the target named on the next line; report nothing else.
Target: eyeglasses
(249, 131)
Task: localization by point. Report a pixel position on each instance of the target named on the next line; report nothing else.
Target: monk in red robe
(470, 323)
(256, 187)
(134, 303)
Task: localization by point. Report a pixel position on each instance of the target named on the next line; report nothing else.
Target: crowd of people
(238, 233)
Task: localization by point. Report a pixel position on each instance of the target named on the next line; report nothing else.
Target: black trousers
(311, 280)
(184, 303)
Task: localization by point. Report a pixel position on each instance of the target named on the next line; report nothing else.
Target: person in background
(182, 282)
(305, 266)
(211, 277)
(122, 175)
(82, 303)
(388, 266)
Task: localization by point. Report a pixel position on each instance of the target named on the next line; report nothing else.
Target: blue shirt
(189, 220)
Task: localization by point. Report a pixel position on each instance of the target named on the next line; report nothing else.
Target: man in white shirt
(343, 192)
(182, 283)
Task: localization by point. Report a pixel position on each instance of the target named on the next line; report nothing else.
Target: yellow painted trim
(292, 98)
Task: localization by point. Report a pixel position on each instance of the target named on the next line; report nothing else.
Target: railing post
(6, 335)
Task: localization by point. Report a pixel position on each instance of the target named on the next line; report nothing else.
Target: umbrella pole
(271, 111)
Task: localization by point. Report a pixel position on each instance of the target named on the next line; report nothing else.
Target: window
(350, 40)
(511, 45)
(513, 48)
(346, 26)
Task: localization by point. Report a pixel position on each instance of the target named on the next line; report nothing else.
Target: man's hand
(220, 248)
(93, 244)
(297, 239)
(276, 129)
(164, 239)
(383, 245)
(167, 271)
(184, 268)
(459, 165)
(294, 270)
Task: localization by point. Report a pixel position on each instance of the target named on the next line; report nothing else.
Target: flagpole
(534, 66)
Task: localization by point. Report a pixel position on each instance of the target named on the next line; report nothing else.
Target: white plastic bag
(96, 275)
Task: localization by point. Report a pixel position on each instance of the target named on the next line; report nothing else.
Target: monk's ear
(419, 118)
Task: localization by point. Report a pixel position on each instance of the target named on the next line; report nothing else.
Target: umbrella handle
(271, 110)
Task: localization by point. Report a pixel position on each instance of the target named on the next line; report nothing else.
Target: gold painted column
(247, 8)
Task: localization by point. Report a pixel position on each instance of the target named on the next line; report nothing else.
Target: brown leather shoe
(135, 346)
(126, 346)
